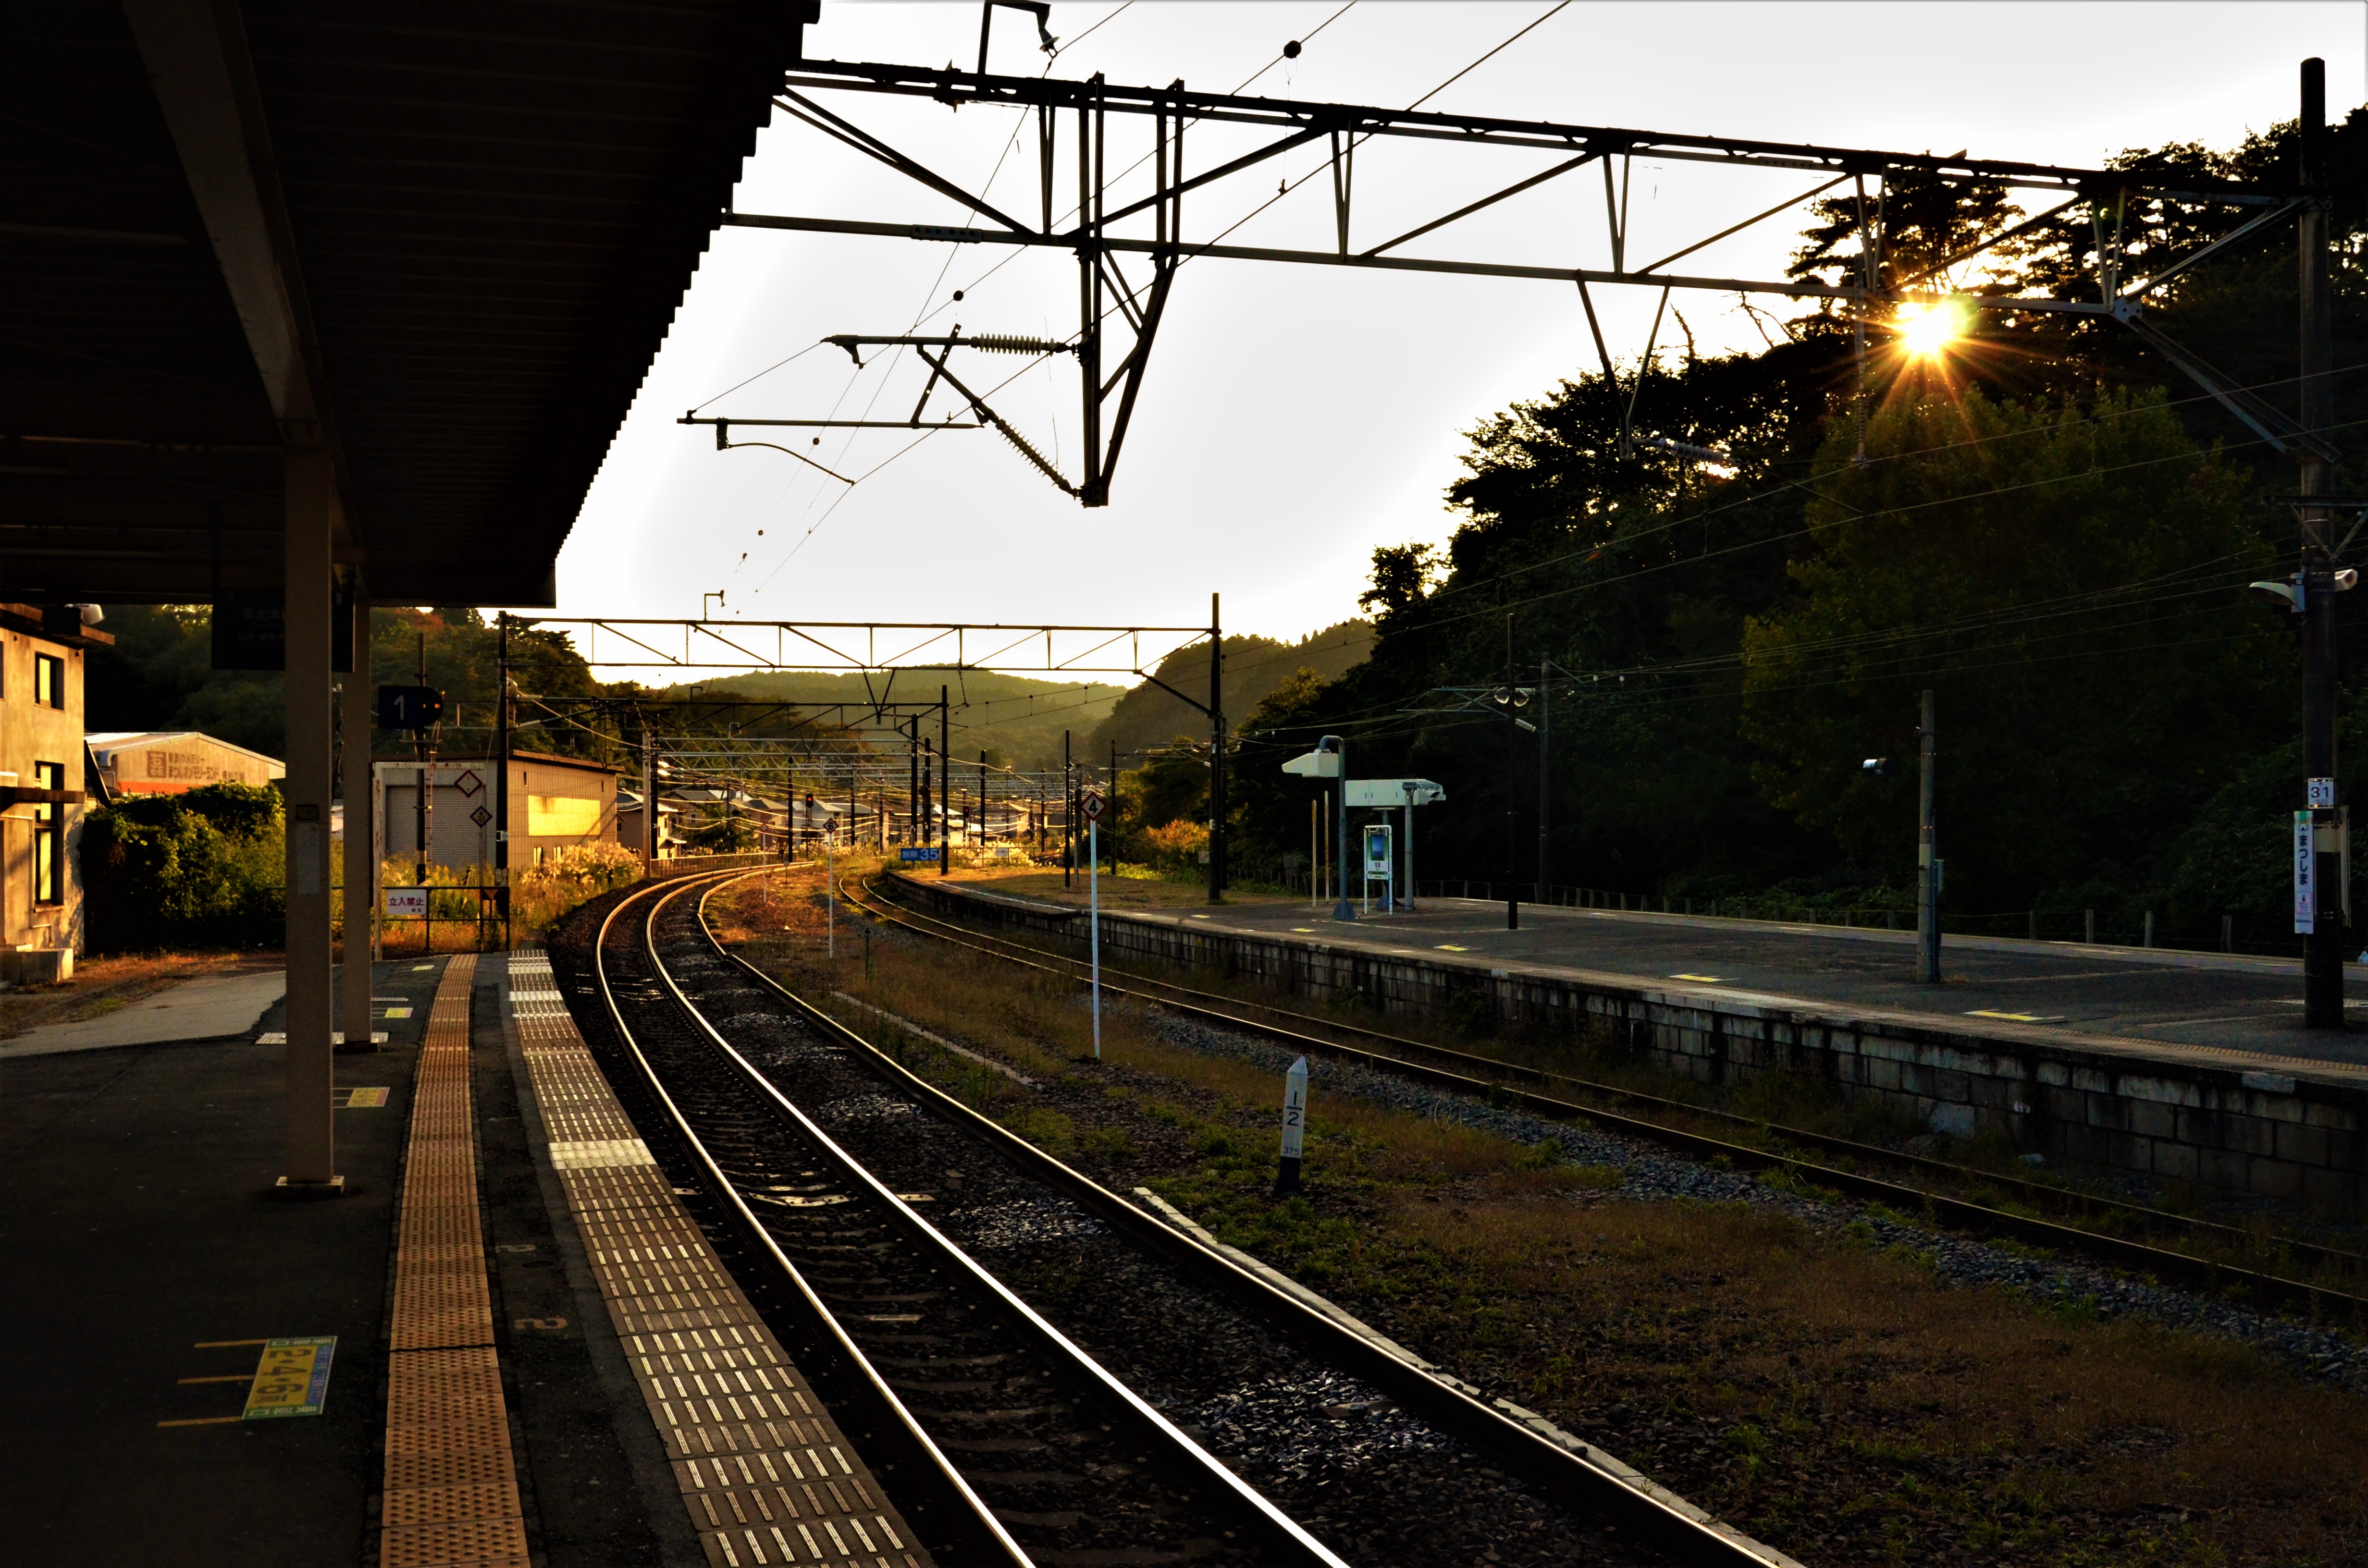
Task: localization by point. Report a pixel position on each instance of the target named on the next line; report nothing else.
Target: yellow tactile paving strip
(451, 1495)
(765, 1475)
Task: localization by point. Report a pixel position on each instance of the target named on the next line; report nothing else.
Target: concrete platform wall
(2225, 1127)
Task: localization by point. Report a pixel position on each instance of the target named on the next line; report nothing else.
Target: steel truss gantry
(834, 647)
(1109, 299)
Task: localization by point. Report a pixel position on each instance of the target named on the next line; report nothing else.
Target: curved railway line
(1548, 1095)
(1033, 1356)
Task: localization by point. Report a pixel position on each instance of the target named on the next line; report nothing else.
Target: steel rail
(976, 1527)
(1280, 1534)
(1462, 1410)
(1962, 1213)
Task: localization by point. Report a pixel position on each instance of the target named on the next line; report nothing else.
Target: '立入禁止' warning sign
(292, 1378)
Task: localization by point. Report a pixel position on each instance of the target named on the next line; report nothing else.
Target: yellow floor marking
(2015, 1018)
(204, 1421)
(1308, 930)
(293, 1378)
(224, 1378)
(1712, 978)
(1452, 948)
(396, 1013)
(363, 1099)
(450, 1490)
(228, 1344)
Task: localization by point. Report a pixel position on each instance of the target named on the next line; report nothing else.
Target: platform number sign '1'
(1294, 1125)
(411, 708)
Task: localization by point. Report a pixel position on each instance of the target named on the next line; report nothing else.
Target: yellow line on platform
(451, 1489)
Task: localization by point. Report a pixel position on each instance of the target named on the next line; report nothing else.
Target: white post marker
(1294, 1125)
(1092, 808)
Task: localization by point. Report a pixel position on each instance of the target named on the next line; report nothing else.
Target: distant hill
(1013, 715)
(1147, 717)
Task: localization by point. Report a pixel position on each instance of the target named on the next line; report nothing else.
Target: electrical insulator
(1015, 345)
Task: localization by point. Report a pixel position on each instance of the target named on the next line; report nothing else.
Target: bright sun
(1926, 330)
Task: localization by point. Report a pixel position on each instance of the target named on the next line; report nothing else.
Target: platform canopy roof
(443, 238)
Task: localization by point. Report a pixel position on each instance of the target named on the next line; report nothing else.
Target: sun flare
(1926, 330)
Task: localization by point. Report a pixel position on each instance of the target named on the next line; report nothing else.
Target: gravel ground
(1651, 1173)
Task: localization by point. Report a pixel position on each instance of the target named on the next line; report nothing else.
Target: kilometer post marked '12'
(1294, 1125)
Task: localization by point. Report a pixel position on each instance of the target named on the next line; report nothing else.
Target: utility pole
(1513, 822)
(1216, 754)
(649, 801)
(1113, 807)
(913, 779)
(1928, 858)
(424, 744)
(945, 785)
(2322, 963)
(982, 805)
(502, 778)
(1545, 741)
(1068, 812)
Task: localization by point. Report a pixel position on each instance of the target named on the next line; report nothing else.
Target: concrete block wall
(2221, 1126)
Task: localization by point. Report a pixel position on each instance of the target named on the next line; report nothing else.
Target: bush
(205, 868)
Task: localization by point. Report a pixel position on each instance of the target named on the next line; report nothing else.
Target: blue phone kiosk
(1381, 848)
(1381, 865)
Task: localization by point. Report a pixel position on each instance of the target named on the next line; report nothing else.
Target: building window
(49, 681)
(48, 836)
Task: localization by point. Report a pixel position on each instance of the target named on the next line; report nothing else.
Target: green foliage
(203, 869)
(159, 676)
(1173, 783)
(2039, 533)
(719, 832)
(2039, 567)
(1254, 666)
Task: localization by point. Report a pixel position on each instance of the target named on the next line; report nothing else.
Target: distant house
(554, 802)
(169, 762)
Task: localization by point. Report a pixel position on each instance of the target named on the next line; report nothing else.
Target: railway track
(1548, 1095)
(1051, 1351)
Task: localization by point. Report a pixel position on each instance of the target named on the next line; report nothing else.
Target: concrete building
(41, 789)
(554, 802)
(171, 762)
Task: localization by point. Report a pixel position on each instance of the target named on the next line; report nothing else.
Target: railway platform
(418, 1371)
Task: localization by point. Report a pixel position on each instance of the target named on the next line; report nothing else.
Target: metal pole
(2322, 964)
(912, 779)
(361, 835)
(1512, 821)
(1343, 909)
(1928, 858)
(1068, 812)
(310, 519)
(420, 805)
(945, 786)
(1545, 743)
(502, 779)
(1094, 904)
(1216, 756)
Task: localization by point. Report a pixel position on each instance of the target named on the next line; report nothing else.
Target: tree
(2067, 578)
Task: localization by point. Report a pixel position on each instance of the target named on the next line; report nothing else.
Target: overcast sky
(1294, 417)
